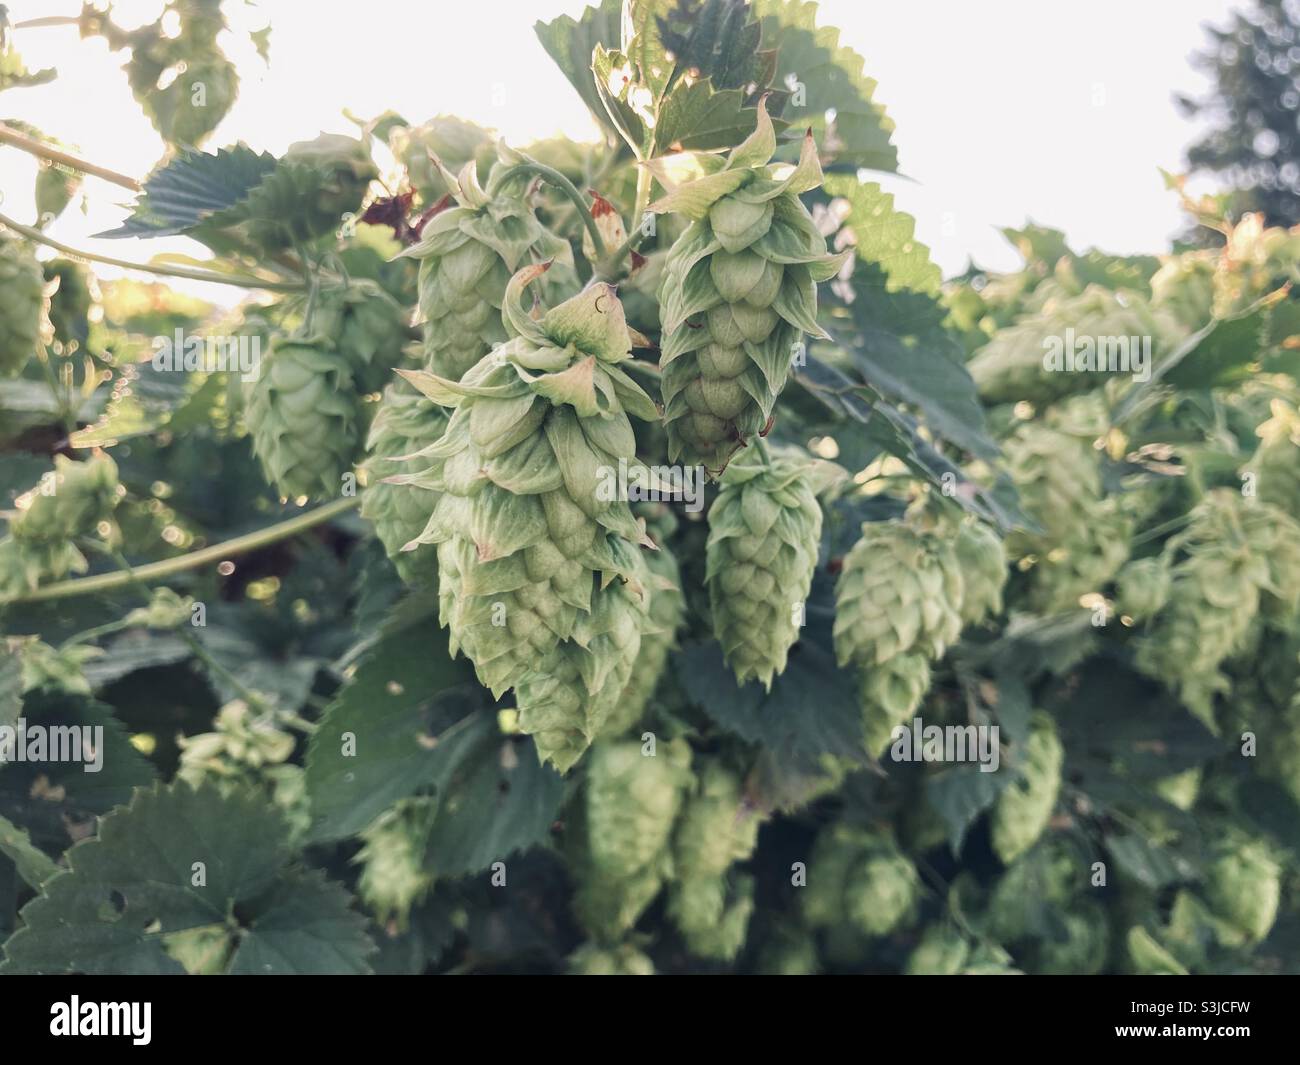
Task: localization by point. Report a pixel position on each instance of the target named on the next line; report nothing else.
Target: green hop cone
(58, 669)
(526, 516)
(592, 959)
(1015, 365)
(1142, 588)
(632, 801)
(395, 874)
(22, 288)
(983, 563)
(1148, 957)
(1052, 871)
(1083, 949)
(891, 694)
(406, 423)
(55, 188)
(861, 878)
(791, 951)
(452, 141)
(1025, 807)
(1243, 887)
(166, 610)
(71, 301)
(1276, 462)
(764, 533)
(567, 697)
(739, 292)
(467, 255)
(667, 611)
(367, 326)
(900, 589)
(1183, 287)
(713, 919)
(305, 417)
(942, 951)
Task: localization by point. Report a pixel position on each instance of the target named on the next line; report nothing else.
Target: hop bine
(739, 292)
(467, 255)
(541, 580)
(764, 533)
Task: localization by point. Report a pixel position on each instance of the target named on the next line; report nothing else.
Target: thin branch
(164, 271)
(53, 155)
(156, 571)
(554, 177)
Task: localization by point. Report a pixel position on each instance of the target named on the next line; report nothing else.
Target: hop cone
(467, 255)
(1183, 287)
(395, 875)
(632, 801)
(900, 589)
(1011, 368)
(525, 521)
(1243, 887)
(407, 422)
(1142, 588)
(21, 287)
(1276, 463)
(713, 920)
(304, 415)
(666, 613)
(1051, 871)
(860, 878)
(452, 141)
(764, 532)
(942, 951)
(739, 292)
(592, 959)
(1025, 807)
(1148, 957)
(1085, 946)
(367, 326)
(891, 692)
(983, 562)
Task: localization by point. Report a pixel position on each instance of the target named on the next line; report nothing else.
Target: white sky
(1006, 111)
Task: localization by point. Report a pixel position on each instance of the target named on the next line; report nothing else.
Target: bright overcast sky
(1007, 111)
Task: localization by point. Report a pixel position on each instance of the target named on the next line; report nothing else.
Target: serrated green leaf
(571, 42)
(192, 188)
(960, 794)
(32, 863)
(835, 85)
(175, 859)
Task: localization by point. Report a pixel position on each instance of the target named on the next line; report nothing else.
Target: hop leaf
(1243, 888)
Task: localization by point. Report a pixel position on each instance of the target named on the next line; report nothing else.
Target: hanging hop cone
(716, 829)
(764, 532)
(304, 415)
(861, 878)
(526, 517)
(1183, 287)
(367, 326)
(983, 562)
(76, 500)
(1025, 807)
(942, 951)
(1276, 462)
(739, 292)
(467, 255)
(1083, 950)
(406, 423)
(667, 611)
(22, 288)
(1142, 588)
(452, 141)
(395, 874)
(1243, 887)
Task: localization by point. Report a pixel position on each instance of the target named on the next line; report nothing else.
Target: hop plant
(467, 255)
(666, 611)
(305, 417)
(407, 422)
(22, 288)
(714, 831)
(859, 878)
(739, 292)
(632, 801)
(395, 875)
(75, 500)
(897, 607)
(367, 326)
(983, 562)
(1025, 807)
(1243, 887)
(1010, 367)
(592, 959)
(1142, 588)
(530, 533)
(942, 951)
(764, 532)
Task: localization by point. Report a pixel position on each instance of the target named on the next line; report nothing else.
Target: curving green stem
(156, 571)
(166, 271)
(554, 177)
